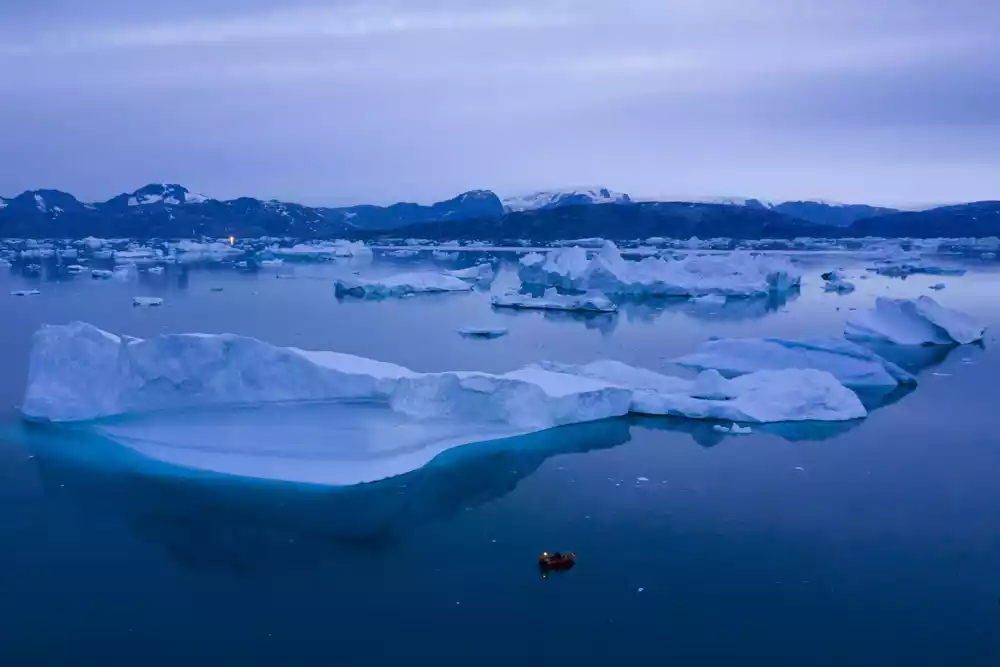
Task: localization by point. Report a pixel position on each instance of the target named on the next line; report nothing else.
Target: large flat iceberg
(401, 284)
(733, 274)
(591, 302)
(853, 365)
(166, 397)
(921, 321)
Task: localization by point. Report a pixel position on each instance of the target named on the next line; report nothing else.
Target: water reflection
(207, 522)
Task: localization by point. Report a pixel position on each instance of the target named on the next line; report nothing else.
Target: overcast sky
(349, 101)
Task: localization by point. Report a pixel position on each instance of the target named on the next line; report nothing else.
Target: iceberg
(904, 269)
(401, 284)
(709, 300)
(732, 274)
(853, 365)
(937, 286)
(591, 302)
(75, 268)
(156, 270)
(921, 321)
(271, 263)
(101, 274)
(25, 292)
(479, 273)
(482, 332)
(147, 301)
(324, 250)
(792, 394)
(79, 372)
(834, 281)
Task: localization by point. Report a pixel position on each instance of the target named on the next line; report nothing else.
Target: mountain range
(172, 211)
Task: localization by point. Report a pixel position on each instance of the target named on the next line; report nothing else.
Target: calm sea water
(884, 549)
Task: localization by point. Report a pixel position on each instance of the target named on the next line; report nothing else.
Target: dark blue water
(883, 550)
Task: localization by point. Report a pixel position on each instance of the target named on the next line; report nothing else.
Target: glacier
(921, 321)
(734, 274)
(215, 402)
(400, 284)
(853, 365)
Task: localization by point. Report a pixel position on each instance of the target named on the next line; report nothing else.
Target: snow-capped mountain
(564, 197)
(169, 194)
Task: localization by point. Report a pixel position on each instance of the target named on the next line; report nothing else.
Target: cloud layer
(896, 101)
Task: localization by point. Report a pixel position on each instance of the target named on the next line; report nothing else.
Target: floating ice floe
(444, 256)
(156, 270)
(25, 292)
(75, 268)
(323, 250)
(709, 300)
(482, 332)
(791, 394)
(937, 287)
(402, 254)
(401, 284)
(479, 273)
(903, 269)
(271, 263)
(834, 281)
(921, 321)
(190, 251)
(147, 301)
(853, 365)
(101, 274)
(733, 274)
(591, 302)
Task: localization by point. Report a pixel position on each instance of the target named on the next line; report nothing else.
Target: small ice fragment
(25, 292)
(799, 468)
(641, 589)
(942, 375)
(156, 270)
(642, 479)
(147, 301)
(720, 428)
(740, 430)
(938, 286)
(482, 332)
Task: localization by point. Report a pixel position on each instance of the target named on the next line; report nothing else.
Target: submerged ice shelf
(171, 396)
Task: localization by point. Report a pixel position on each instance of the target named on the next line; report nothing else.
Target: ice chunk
(75, 268)
(709, 300)
(482, 332)
(147, 301)
(834, 281)
(324, 250)
(101, 274)
(854, 366)
(733, 274)
(479, 272)
(156, 270)
(25, 292)
(401, 284)
(271, 263)
(444, 256)
(938, 286)
(764, 396)
(921, 321)
(903, 269)
(592, 302)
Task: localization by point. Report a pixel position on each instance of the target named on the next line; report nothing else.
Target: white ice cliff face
(733, 274)
(921, 321)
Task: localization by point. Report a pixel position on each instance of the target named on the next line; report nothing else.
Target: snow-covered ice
(147, 301)
(853, 365)
(733, 274)
(791, 394)
(401, 284)
(921, 321)
(591, 302)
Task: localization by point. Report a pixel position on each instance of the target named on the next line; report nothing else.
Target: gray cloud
(889, 101)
